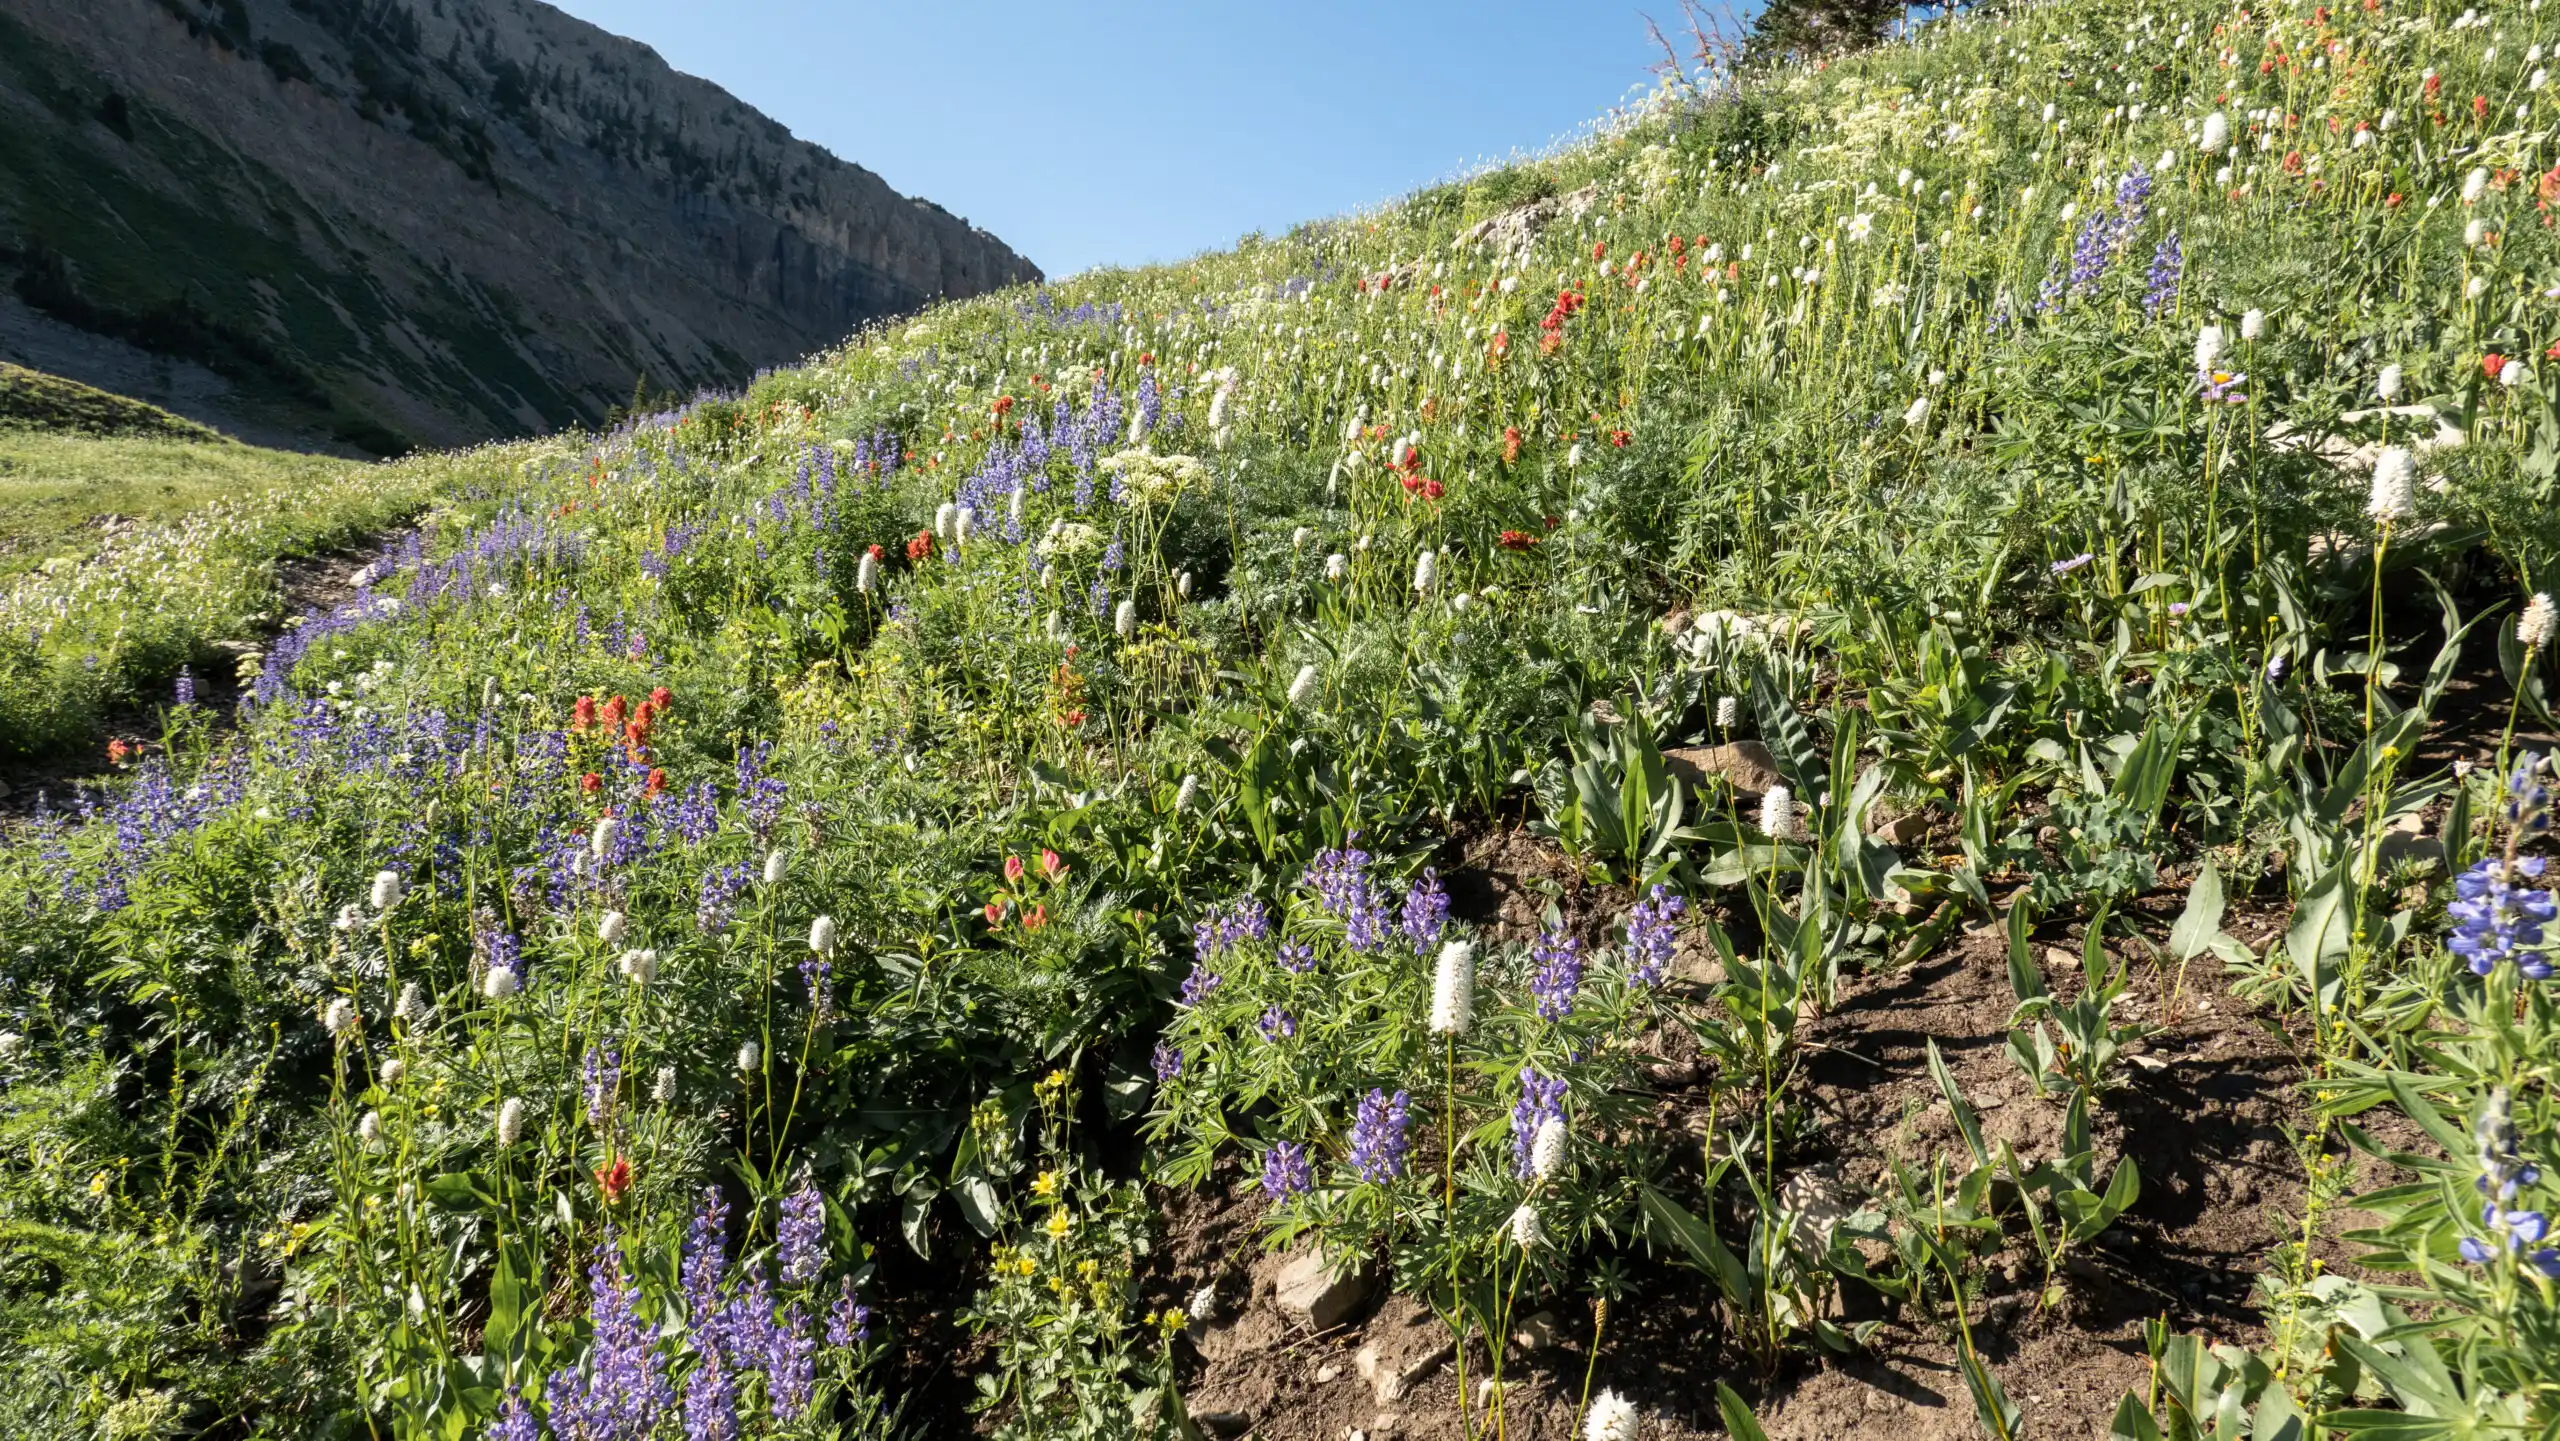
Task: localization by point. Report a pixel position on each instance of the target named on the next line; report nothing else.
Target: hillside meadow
(1865, 755)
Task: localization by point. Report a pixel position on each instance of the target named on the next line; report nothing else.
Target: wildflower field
(1865, 756)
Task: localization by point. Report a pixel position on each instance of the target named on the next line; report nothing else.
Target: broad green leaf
(2201, 921)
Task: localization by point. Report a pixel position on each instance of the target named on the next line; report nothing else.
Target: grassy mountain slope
(1041, 802)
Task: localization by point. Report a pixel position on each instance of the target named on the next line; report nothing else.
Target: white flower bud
(340, 1019)
(750, 1057)
(1304, 686)
(1778, 814)
(387, 890)
(499, 984)
(822, 935)
(775, 862)
(1546, 1150)
(610, 928)
(1527, 1231)
(2533, 628)
(510, 1121)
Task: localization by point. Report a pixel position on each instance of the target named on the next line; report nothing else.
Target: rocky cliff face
(378, 223)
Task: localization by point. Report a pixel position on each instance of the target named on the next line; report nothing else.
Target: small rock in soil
(1308, 1291)
(1746, 765)
(1327, 1372)
(1223, 1423)
(1541, 1332)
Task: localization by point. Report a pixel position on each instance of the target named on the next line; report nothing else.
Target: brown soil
(2204, 1107)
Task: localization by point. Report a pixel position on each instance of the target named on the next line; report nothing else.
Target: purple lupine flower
(2496, 920)
(1541, 1100)
(1559, 977)
(818, 974)
(2091, 252)
(186, 690)
(1653, 933)
(1379, 1143)
(1286, 1171)
(623, 1388)
(1247, 919)
(1297, 958)
(1198, 986)
(790, 1363)
(2167, 261)
(1168, 1062)
(2528, 807)
(515, 1421)
(718, 900)
(602, 1081)
(706, 1264)
(1277, 1025)
(1426, 911)
(2049, 290)
(2133, 199)
(1340, 879)
(711, 1402)
(803, 1234)
(848, 1321)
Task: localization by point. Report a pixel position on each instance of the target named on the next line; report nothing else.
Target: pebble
(1327, 1372)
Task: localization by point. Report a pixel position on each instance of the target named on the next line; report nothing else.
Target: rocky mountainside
(371, 224)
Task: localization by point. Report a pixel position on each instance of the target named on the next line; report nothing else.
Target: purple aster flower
(1559, 975)
(1379, 1143)
(1286, 1171)
(1541, 1100)
(803, 1234)
(1653, 933)
(2065, 567)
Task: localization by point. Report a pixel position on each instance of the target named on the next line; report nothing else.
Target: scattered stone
(1391, 1381)
(1907, 830)
(1223, 1423)
(1309, 1291)
(1328, 1372)
(1540, 1332)
(1819, 1199)
(1745, 765)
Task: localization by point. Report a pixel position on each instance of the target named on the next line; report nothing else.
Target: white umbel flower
(387, 890)
(822, 935)
(1778, 814)
(510, 1121)
(499, 984)
(2216, 135)
(1546, 1149)
(1527, 1231)
(1612, 1418)
(611, 928)
(750, 1057)
(2533, 628)
(1304, 686)
(1426, 570)
(1124, 621)
(1453, 990)
(2387, 385)
(2209, 346)
(602, 841)
(2253, 323)
(340, 1019)
(776, 862)
(2395, 487)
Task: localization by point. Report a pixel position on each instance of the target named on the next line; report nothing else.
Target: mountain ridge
(387, 223)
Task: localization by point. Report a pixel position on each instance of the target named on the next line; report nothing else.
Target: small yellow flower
(1046, 1184)
(1058, 1225)
(98, 1184)
(1027, 1266)
(1087, 1269)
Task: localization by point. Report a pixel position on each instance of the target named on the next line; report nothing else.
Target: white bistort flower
(1527, 1231)
(2209, 346)
(1778, 814)
(2216, 134)
(611, 928)
(1336, 566)
(1918, 413)
(602, 840)
(2474, 185)
(775, 863)
(1612, 1418)
(822, 935)
(1304, 686)
(2253, 323)
(1546, 1149)
(2395, 489)
(1453, 989)
(499, 984)
(750, 1056)
(2533, 628)
(340, 1019)
(2387, 385)
(1426, 569)
(387, 890)
(510, 1121)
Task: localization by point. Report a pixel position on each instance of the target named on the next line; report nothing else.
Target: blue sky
(1136, 130)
